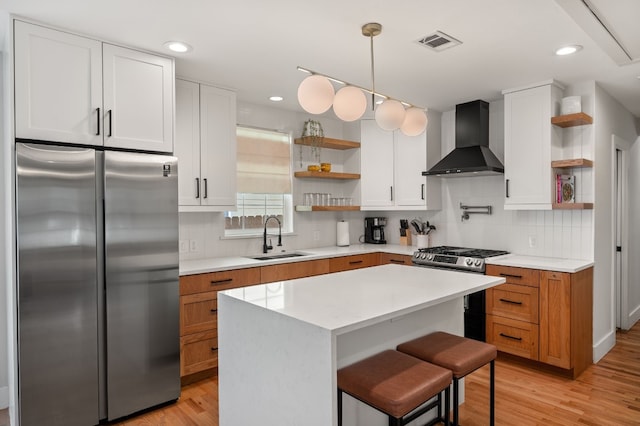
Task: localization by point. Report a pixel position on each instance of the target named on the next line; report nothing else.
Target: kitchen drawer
(222, 280)
(512, 336)
(198, 312)
(397, 259)
(198, 352)
(522, 276)
(513, 301)
(293, 270)
(346, 263)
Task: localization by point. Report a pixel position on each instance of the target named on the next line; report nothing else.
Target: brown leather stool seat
(458, 354)
(395, 384)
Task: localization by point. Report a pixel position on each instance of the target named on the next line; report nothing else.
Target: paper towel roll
(342, 233)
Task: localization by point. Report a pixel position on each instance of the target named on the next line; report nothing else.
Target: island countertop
(344, 301)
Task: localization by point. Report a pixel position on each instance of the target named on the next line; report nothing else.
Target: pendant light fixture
(316, 95)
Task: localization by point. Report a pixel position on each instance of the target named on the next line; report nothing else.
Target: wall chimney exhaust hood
(472, 156)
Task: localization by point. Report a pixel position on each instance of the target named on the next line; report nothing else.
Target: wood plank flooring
(607, 393)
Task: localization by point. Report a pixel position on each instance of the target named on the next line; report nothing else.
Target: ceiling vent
(438, 41)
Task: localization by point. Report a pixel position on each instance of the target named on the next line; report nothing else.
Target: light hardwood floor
(605, 394)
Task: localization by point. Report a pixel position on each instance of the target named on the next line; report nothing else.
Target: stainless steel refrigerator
(98, 301)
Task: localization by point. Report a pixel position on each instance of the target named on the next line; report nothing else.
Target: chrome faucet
(265, 247)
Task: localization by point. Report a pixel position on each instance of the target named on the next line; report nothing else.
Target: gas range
(460, 258)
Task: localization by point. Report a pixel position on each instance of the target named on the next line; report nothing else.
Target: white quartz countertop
(346, 301)
(214, 264)
(545, 263)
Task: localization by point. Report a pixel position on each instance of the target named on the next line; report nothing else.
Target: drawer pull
(502, 274)
(214, 349)
(213, 311)
(396, 261)
(510, 337)
(355, 262)
(513, 302)
(218, 282)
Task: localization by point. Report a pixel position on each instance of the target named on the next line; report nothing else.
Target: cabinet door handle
(506, 187)
(355, 262)
(219, 282)
(110, 122)
(213, 311)
(97, 121)
(214, 349)
(510, 337)
(510, 276)
(206, 189)
(197, 187)
(391, 190)
(513, 302)
(422, 191)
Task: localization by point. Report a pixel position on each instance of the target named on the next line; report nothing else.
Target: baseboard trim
(634, 316)
(603, 346)
(4, 397)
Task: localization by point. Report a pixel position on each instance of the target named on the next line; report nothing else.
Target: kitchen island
(282, 343)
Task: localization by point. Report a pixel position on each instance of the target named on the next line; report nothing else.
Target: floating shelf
(326, 175)
(572, 163)
(326, 208)
(572, 120)
(573, 206)
(327, 143)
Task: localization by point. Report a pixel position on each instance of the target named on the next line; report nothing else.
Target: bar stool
(395, 384)
(458, 354)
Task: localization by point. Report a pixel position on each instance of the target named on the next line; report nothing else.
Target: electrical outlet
(193, 246)
(316, 235)
(533, 241)
(184, 246)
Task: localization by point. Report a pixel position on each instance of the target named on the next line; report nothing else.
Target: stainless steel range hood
(472, 156)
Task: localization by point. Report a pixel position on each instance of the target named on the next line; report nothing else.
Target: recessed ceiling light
(276, 98)
(178, 46)
(568, 50)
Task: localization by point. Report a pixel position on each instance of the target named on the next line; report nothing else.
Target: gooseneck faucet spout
(266, 247)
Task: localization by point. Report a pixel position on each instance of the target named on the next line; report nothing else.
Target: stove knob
(429, 257)
(478, 262)
(468, 261)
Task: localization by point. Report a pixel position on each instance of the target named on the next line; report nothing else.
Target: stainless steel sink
(279, 256)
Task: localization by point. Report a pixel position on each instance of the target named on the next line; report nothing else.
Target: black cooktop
(463, 251)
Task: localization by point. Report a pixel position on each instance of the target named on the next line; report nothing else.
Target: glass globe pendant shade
(349, 103)
(415, 121)
(390, 114)
(315, 94)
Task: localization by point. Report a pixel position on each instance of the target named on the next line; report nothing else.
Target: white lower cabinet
(71, 88)
(530, 143)
(205, 147)
(391, 170)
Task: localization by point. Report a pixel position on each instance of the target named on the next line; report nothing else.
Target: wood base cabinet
(544, 316)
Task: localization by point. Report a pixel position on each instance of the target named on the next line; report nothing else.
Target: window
(264, 182)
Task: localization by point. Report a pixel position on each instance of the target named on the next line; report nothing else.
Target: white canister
(571, 105)
(342, 234)
(423, 241)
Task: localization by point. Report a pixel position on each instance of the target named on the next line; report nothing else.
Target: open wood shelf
(572, 120)
(326, 175)
(326, 208)
(575, 162)
(327, 143)
(573, 206)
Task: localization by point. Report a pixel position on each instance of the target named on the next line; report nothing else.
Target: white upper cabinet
(60, 79)
(138, 99)
(530, 142)
(58, 86)
(391, 170)
(206, 147)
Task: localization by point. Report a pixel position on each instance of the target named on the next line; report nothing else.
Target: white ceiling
(254, 46)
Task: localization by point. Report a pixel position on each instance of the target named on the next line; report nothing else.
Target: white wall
(610, 118)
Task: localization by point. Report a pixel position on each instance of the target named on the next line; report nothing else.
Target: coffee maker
(374, 230)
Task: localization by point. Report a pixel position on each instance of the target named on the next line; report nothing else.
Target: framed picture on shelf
(565, 189)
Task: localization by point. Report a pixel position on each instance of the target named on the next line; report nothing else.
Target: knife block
(405, 241)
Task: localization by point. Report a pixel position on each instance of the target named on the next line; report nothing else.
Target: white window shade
(264, 161)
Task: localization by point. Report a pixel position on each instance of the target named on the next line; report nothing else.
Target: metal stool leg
(447, 405)
(455, 401)
(339, 407)
(492, 394)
